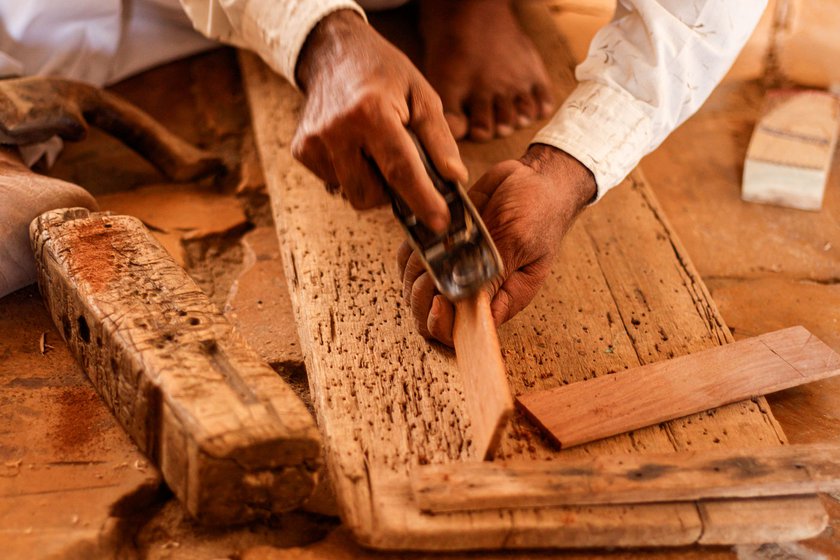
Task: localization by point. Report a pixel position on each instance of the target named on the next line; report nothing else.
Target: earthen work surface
(622, 293)
(767, 268)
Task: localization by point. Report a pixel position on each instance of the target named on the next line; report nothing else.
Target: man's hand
(527, 205)
(361, 94)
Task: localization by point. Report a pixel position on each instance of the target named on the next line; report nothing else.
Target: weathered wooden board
(622, 293)
(482, 371)
(790, 152)
(232, 440)
(784, 470)
(653, 393)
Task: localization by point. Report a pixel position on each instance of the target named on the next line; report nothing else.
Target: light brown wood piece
(232, 440)
(784, 470)
(621, 293)
(647, 395)
(482, 369)
(789, 156)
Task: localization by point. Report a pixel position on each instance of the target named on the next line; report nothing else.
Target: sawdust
(76, 425)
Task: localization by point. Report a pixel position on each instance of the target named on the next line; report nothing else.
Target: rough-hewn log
(232, 440)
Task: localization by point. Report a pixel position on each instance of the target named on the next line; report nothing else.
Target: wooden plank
(482, 369)
(232, 440)
(622, 292)
(789, 156)
(629, 479)
(647, 395)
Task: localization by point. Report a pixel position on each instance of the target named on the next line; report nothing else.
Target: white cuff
(279, 43)
(603, 128)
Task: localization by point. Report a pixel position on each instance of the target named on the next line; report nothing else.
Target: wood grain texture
(784, 470)
(621, 293)
(482, 370)
(647, 395)
(232, 440)
(789, 156)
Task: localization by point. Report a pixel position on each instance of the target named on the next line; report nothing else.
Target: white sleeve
(274, 29)
(647, 71)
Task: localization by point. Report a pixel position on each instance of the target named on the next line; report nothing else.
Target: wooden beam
(232, 440)
(629, 479)
(647, 395)
(790, 153)
(386, 400)
(482, 369)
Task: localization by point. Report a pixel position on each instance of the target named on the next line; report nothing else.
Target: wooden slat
(621, 293)
(232, 440)
(482, 370)
(647, 395)
(629, 479)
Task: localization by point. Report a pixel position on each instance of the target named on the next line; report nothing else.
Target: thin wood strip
(487, 393)
(233, 441)
(647, 395)
(629, 479)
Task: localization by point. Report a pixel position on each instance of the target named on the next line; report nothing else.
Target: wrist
(562, 169)
(327, 40)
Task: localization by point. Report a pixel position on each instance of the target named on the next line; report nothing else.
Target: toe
(458, 124)
(453, 112)
(505, 115)
(526, 109)
(481, 118)
(545, 101)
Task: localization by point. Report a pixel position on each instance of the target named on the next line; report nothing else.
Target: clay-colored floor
(71, 481)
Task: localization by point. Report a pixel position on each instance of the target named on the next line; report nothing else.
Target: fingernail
(523, 121)
(547, 108)
(434, 312)
(504, 130)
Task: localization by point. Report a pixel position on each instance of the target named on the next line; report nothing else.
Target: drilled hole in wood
(84, 330)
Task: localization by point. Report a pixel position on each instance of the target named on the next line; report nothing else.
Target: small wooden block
(480, 363)
(232, 440)
(789, 156)
(605, 406)
(628, 479)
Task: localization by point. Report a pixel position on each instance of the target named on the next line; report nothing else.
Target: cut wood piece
(647, 395)
(629, 479)
(790, 153)
(232, 440)
(386, 400)
(482, 369)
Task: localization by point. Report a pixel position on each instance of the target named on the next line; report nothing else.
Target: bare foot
(24, 195)
(487, 72)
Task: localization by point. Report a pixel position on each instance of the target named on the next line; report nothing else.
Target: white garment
(647, 71)
(95, 41)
